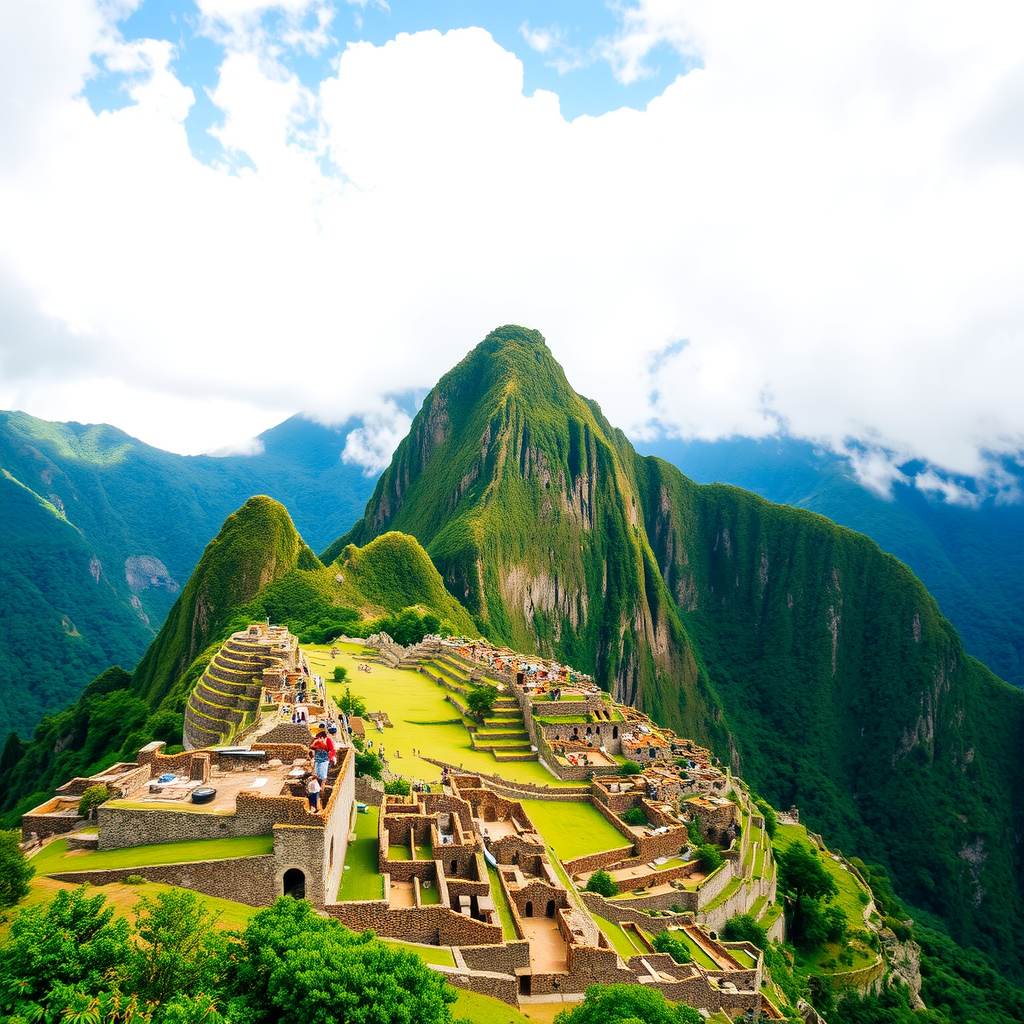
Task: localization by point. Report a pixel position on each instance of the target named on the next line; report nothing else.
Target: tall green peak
(814, 663)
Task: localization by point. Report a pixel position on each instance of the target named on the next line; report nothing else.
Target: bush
(15, 870)
(630, 768)
(693, 831)
(666, 942)
(710, 858)
(771, 821)
(635, 816)
(135, 880)
(92, 798)
(368, 763)
(340, 674)
(481, 700)
(602, 883)
(898, 928)
(743, 928)
(397, 787)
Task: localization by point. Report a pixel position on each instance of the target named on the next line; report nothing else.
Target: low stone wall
(521, 790)
(633, 910)
(488, 983)
(369, 791)
(434, 925)
(506, 958)
(46, 825)
(593, 861)
(243, 879)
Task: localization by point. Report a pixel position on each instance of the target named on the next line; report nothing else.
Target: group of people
(362, 667)
(322, 751)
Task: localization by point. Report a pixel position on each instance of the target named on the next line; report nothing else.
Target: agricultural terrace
(421, 717)
(573, 829)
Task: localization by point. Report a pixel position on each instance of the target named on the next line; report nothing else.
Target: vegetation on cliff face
(511, 483)
(844, 689)
(99, 532)
(256, 567)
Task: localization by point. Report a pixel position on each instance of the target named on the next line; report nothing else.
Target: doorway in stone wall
(294, 884)
(551, 909)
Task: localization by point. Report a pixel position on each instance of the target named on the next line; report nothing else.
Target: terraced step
(502, 734)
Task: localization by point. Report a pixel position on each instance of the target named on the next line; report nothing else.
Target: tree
(602, 883)
(666, 942)
(619, 1004)
(368, 763)
(397, 787)
(291, 966)
(743, 928)
(92, 798)
(630, 768)
(801, 873)
(15, 870)
(71, 945)
(350, 703)
(178, 951)
(340, 675)
(635, 816)
(710, 858)
(481, 700)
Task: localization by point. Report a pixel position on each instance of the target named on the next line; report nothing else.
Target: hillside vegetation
(257, 566)
(819, 666)
(100, 531)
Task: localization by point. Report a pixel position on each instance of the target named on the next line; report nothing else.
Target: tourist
(322, 751)
(313, 792)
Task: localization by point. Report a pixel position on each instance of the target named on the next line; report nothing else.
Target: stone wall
(46, 823)
(593, 861)
(506, 958)
(243, 879)
(434, 925)
(488, 983)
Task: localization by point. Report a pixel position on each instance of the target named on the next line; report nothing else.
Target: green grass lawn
(361, 879)
(616, 936)
(485, 1010)
(696, 951)
(501, 904)
(424, 853)
(54, 857)
(743, 958)
(440, 955)
(573, 829)
(123, 897)
(422, 719)
(429, 896)
(397, 851)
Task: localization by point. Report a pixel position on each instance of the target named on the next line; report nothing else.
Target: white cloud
(372, 445)
(828, 211)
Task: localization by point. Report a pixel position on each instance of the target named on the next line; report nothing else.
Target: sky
(727, 218)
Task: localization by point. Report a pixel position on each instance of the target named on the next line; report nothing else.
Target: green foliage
(602, 883)
(743, 928)
(666, 942)
(340, 674)
(72, 944)
(901, 930)
(801, 873)
(93, 797)
(397, 787)
(710, 857)
(619, 1004)
(630, 768)
(771, 820)
(480, 700)
(352, 704)
(292, 966)
(15, 871)
(635, 816)
(693, 831)
(368, 763)
(134, 880)
(177, 948)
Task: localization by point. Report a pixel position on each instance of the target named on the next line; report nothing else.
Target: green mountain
(511, 482)
(256, 566)
(817, 664)
(98, 532)
(969, 556)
